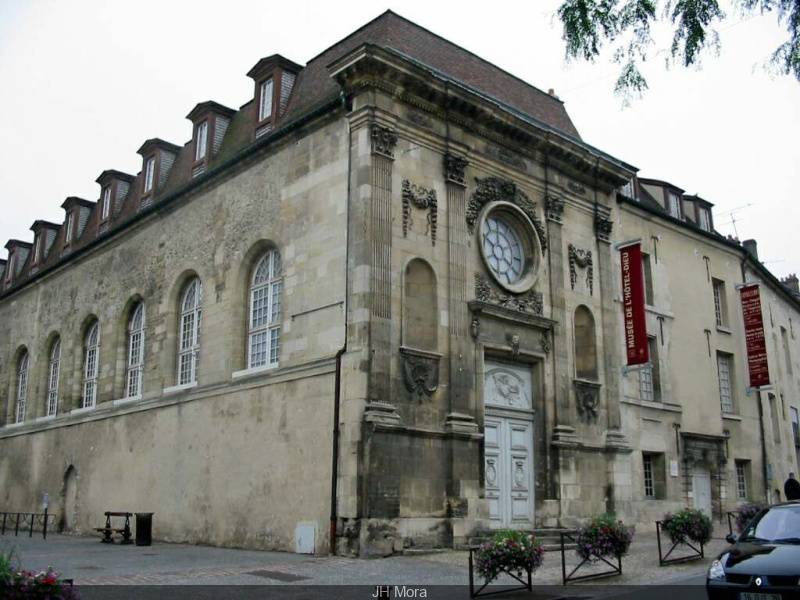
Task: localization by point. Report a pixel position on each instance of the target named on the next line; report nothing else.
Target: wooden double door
(508, 448)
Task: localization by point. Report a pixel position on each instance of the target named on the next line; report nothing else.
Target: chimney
(752, 248)
(791, 282)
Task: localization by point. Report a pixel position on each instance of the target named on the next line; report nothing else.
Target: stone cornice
(370, 67)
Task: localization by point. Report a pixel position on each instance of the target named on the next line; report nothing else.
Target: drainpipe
(764, 459)
(338, 385)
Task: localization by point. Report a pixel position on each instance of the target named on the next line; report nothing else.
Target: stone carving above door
(495, 189)
(423, 199)
(504, 387)
(420, 371)
(581, 259)
(530, 302)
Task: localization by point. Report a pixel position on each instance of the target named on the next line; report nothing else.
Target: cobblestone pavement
(89, 562)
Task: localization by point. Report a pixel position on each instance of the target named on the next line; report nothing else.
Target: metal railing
(664, 559)
(473, 593)
(13, 520)
(615, 569)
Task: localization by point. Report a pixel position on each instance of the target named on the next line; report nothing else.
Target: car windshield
(779, 524)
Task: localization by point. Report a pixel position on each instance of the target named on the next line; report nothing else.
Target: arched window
(91, 352)
(53, 374)
(133, 377)
(265, 311)
(22, 386)
(585, 345)
(189, 339)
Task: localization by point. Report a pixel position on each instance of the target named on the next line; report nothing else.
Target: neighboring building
(702, 438)
(380, 302)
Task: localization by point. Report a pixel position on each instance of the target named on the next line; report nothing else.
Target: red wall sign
(633, 305)
(754, 336)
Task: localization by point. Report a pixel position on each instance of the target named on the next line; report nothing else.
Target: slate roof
(314, 85)
(314, 88)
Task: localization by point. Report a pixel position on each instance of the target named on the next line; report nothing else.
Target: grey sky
(85, 82)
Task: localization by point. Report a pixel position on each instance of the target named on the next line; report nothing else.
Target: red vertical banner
(755, 341)
(636, 348)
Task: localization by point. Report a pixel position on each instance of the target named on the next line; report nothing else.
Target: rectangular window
(265, 105)
(36, 241)
(202, 141)
(648, 279)
(148, 174)
(650, 375)
(742, 468)
(720, 303)
(649, 487)
(70, 227)
(654, 476)
(796, 426)
(675, 206)
(106, 204)
(705, 220)
(725, 374)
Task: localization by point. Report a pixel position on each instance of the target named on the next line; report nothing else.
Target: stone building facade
(375, 308)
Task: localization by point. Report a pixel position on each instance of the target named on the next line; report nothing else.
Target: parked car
(764, 562)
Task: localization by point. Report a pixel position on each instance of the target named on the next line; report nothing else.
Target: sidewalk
(89, 562)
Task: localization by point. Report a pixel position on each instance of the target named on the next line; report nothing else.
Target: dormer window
(10, 267)
(265, 104)
(675, 205)
(705, 220)
(106, 203)
(70, 227)
(148, 174)
(202, 141)
(36, 249)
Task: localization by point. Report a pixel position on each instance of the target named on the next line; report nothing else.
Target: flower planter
(602, 539)
(688, 527)
(513, 553)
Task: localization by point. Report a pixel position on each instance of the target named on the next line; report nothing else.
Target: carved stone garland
(587, 396)
(581, 259)
(422, 199)
(494, 189)
(420, 371)
(531, 301)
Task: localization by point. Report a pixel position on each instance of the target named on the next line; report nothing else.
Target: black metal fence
(473, 593)
(615, 569)
(17, 521)
(664, 559)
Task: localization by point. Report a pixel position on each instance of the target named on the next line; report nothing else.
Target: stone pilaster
(564, 429)
(383, 140)
(603, 228)
(461, 414)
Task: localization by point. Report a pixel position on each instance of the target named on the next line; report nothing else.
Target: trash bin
(144, 529)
